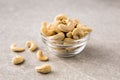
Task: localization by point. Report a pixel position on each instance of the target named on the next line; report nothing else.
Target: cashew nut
(77, 33)
(16, 49)
(17, 59)
(45, 31)
(72, 49)
(61, 17)
(69, 34)
(41, 57)
(66, 28)
(31, 45)
(59, 50)
(76, 22)
(76, 37)
(59, 36)
(46, 68)
(84, 28)
(57, 30)
(68, 41)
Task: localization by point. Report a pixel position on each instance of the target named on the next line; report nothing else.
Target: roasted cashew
(61, 17)
(45, 31)
(84, 28)
(76, 37)
(75, 21)
(31, 45)
(60, 50)
(77, 33)
(59, 36)
(72, 49)
(17, 59)
(68, 41)
(69, 34)
(66, 28)
(16, 49)
(46, 68)
(41, 57)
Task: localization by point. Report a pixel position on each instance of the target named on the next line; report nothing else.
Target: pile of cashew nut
(64, 27)
(32, 46)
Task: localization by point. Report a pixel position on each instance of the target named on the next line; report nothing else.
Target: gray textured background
(20, 21)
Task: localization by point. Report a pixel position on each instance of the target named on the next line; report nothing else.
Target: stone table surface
(20, 20)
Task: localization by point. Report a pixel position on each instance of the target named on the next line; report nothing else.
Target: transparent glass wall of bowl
(65, 50)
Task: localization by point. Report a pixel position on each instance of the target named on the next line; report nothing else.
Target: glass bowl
(65, 49)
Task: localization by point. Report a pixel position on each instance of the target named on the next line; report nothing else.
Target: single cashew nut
(59, 50)
(17, 59)
(41, 57)
(61, 17)
(76, 37)
(63, 28)
(31, 45)
(66, 28)
(78, 33)
(45, 31)
(76, 22)
(84, 28)
(46, 68)
(68, 41)
(69, 34)
(72, 49)
(59, 36)
(16, 49)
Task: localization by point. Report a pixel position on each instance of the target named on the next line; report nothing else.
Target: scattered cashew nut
(16, 49)
(17, 59)
(41, 57)
(31, 45)
(46, 68)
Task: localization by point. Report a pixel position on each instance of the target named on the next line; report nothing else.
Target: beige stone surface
(20, 21)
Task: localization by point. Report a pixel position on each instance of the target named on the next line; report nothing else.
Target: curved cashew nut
(84, 28)
(46, 68)
(61, 17)
(76, 37)
(41, 57)
(72, 49)
(55, 26)
(31, 45)
(68, 41)
(45, 31)
(77, 33)
(17, 59)
(59, 50)
(69, 34)
(75, 21)
(16, 49)
(66, 28)
(59, 36)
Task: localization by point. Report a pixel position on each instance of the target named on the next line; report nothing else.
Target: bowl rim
(79, 40)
